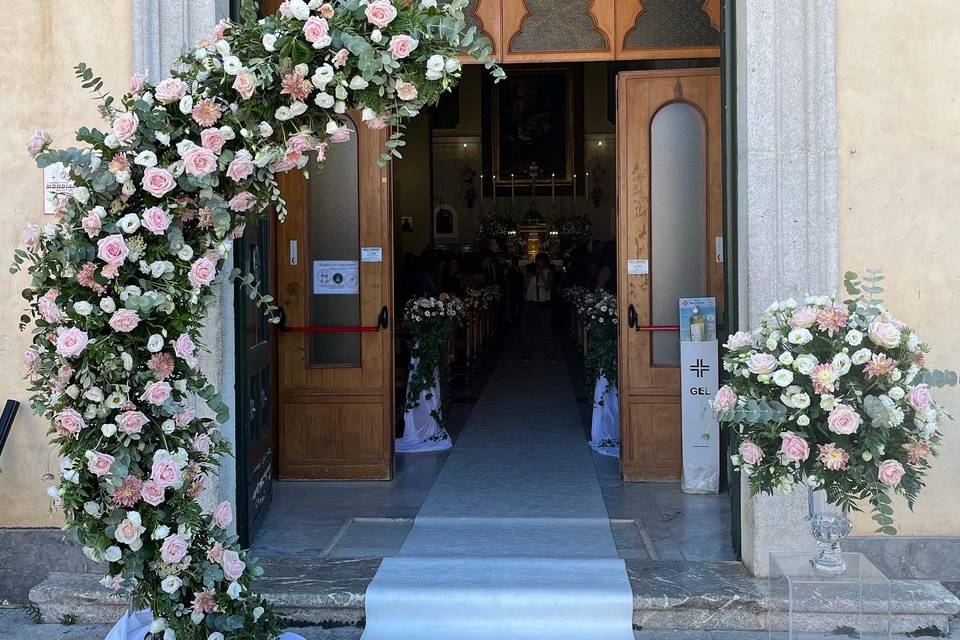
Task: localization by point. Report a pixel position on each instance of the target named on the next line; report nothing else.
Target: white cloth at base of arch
(421, 431)
(605, 424)
(136, 626)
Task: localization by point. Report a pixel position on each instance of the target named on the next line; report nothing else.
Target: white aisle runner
(513, 541)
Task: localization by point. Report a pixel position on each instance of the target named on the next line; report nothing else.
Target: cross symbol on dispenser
(699, 367)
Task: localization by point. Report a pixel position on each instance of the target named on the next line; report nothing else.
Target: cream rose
(174, 549)
(380, 13)
(131, 422)
(170, 90)
(124, 320)
(793, 447)
(72, 342)
(406, 90)
(843, 420)
(165, 472)
(920, 397)
(750, 453)
(152, 493)
(401, 46)
(202, 272)
(241, 167)
(156, 220)
(69, 422)
(222, 515)
(884, 334)
(124, 126)
(890, 472)
(158, 182)
(199, 162)
(99, 463)
(156, 393)
(725, 400)
(112, 249)
(760, 363)
(245, 83)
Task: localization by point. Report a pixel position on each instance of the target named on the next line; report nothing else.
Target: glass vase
(829, 526)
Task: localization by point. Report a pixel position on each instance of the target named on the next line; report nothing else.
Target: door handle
(633, 320)
(383, 320)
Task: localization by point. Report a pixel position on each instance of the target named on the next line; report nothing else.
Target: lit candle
(494, 185)
(481, 193)
(574, 191)
(513, 195)
(553, 190)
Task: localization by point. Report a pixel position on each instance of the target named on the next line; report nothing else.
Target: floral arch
(120, 284)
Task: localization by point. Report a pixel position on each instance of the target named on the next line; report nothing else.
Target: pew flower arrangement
(834, 395)
(431, 322)
(120, 283)
(599, 311)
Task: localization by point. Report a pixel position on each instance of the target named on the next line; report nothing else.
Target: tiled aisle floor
(371, 519)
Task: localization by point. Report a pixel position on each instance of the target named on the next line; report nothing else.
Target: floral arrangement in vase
(120, 283)
(482, 298)
(836, 396)
(599, 312)
(431, 322)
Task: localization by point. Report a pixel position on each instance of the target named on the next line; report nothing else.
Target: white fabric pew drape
(136, 626)
(605, 425)
(421, 431)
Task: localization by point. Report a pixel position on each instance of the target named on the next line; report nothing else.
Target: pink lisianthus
(156, 393)
(124, 320)
(761, 363)
(222, 515)
(793, 447)
(31, 236)
(750, 453)
(112, 249)
(152, 493)
(242, 201)
(725, 400)
(91, 224)
(174, 549)
(136, 82)
(72, 342)
(202, 272)
(804, 318)
(202, 443)
(69, 423)
(165, 472)
(158, 182)
(131, 422)
(919, 397)
(401, 46)
(833, 457)
(890, 472)
(124, 126)
(340, 58)
(99, 463)
(232, 565)
(843, 420)
(241, 167)
(245, 83)
(36, 142)
(170, 90)
(199, 162)
(380, 13)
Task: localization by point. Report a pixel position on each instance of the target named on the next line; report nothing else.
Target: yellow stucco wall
(898, 97)
(40, 41)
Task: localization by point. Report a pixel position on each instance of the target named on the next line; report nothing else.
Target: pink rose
(91, 224)
(31, 236)
(202, 443)
(884, 334)
(131, 422)
(125, 126)
(99, 463)
(245, 83)
(124, 320)
(760, 363)
(158, 182)
(340, 58)
(184, 418)
(233, 566)
(919, 397)
(173, 550)
(804, 318)
(31, 358)
(750, 453)
(380, 13)
(212, 139)
(199, 162)
(136, 82)
(170, 90)
(112, 249)
(71, 342)
(222, 515)
(242, 201)
(165, 472)
(890, 472)
(401, 46)
(69, 423)
(341, 135)
(725, 400)
(152, 493)
(376, 123)
(202, 272)
(843, 420)
(156, 393)
(241, 166)
(406, 90)
(156, 220)
(36, 142)
(739, 340)
(48, 308)
(794, 448)
(184, 347)
(316, 29)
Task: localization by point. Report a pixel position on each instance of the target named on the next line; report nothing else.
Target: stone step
(706, 596)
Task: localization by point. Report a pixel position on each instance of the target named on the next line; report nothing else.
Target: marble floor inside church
(651, 521)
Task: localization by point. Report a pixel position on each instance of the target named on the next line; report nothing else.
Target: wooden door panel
(651, 425)
(336, 416)
(557, 30)
(664, 29)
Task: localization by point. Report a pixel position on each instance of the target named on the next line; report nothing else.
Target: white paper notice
(56, 181)
(638, 267)
(371, 254)
(336, 277)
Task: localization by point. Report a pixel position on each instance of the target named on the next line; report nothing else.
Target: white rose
(786, 358)
(896, 393)
(158, 625)
(268, 41)
(222, 47)
(155, 343)
(376, 36)
(854, 337)
(163, 138)
(186, 104)
(146, 158)
(111, 141)
(803, 421)
(771, 343)
(170, 634)
(322, 76)
(129, 223)
(299, 9)
(232, 65)
(302, 69)
(83, 307)
(200, 53)
(161, 532)
(805, 363)
(92, 508)
(913, 343)
(108, 429)
(861, 356)
(298, 108)
(428, 4)
(367, 114)
(800, 336)
(452, 65)
(264, 129)
(108, 305)
(324, 100)
(185, 252)
(168, 427)
(783, 377)
(81, 194)
(170, 584)
(841, 363)
(433, 75)
(94, 394)
(436, 63)
(340, 107)
(357, 83)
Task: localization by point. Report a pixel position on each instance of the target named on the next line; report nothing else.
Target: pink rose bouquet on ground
(836, 396)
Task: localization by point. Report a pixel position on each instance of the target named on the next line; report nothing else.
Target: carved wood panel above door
(655, 29)
(557, 30)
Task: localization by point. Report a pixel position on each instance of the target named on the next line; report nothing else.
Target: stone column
(162, 30)
(787, 195)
